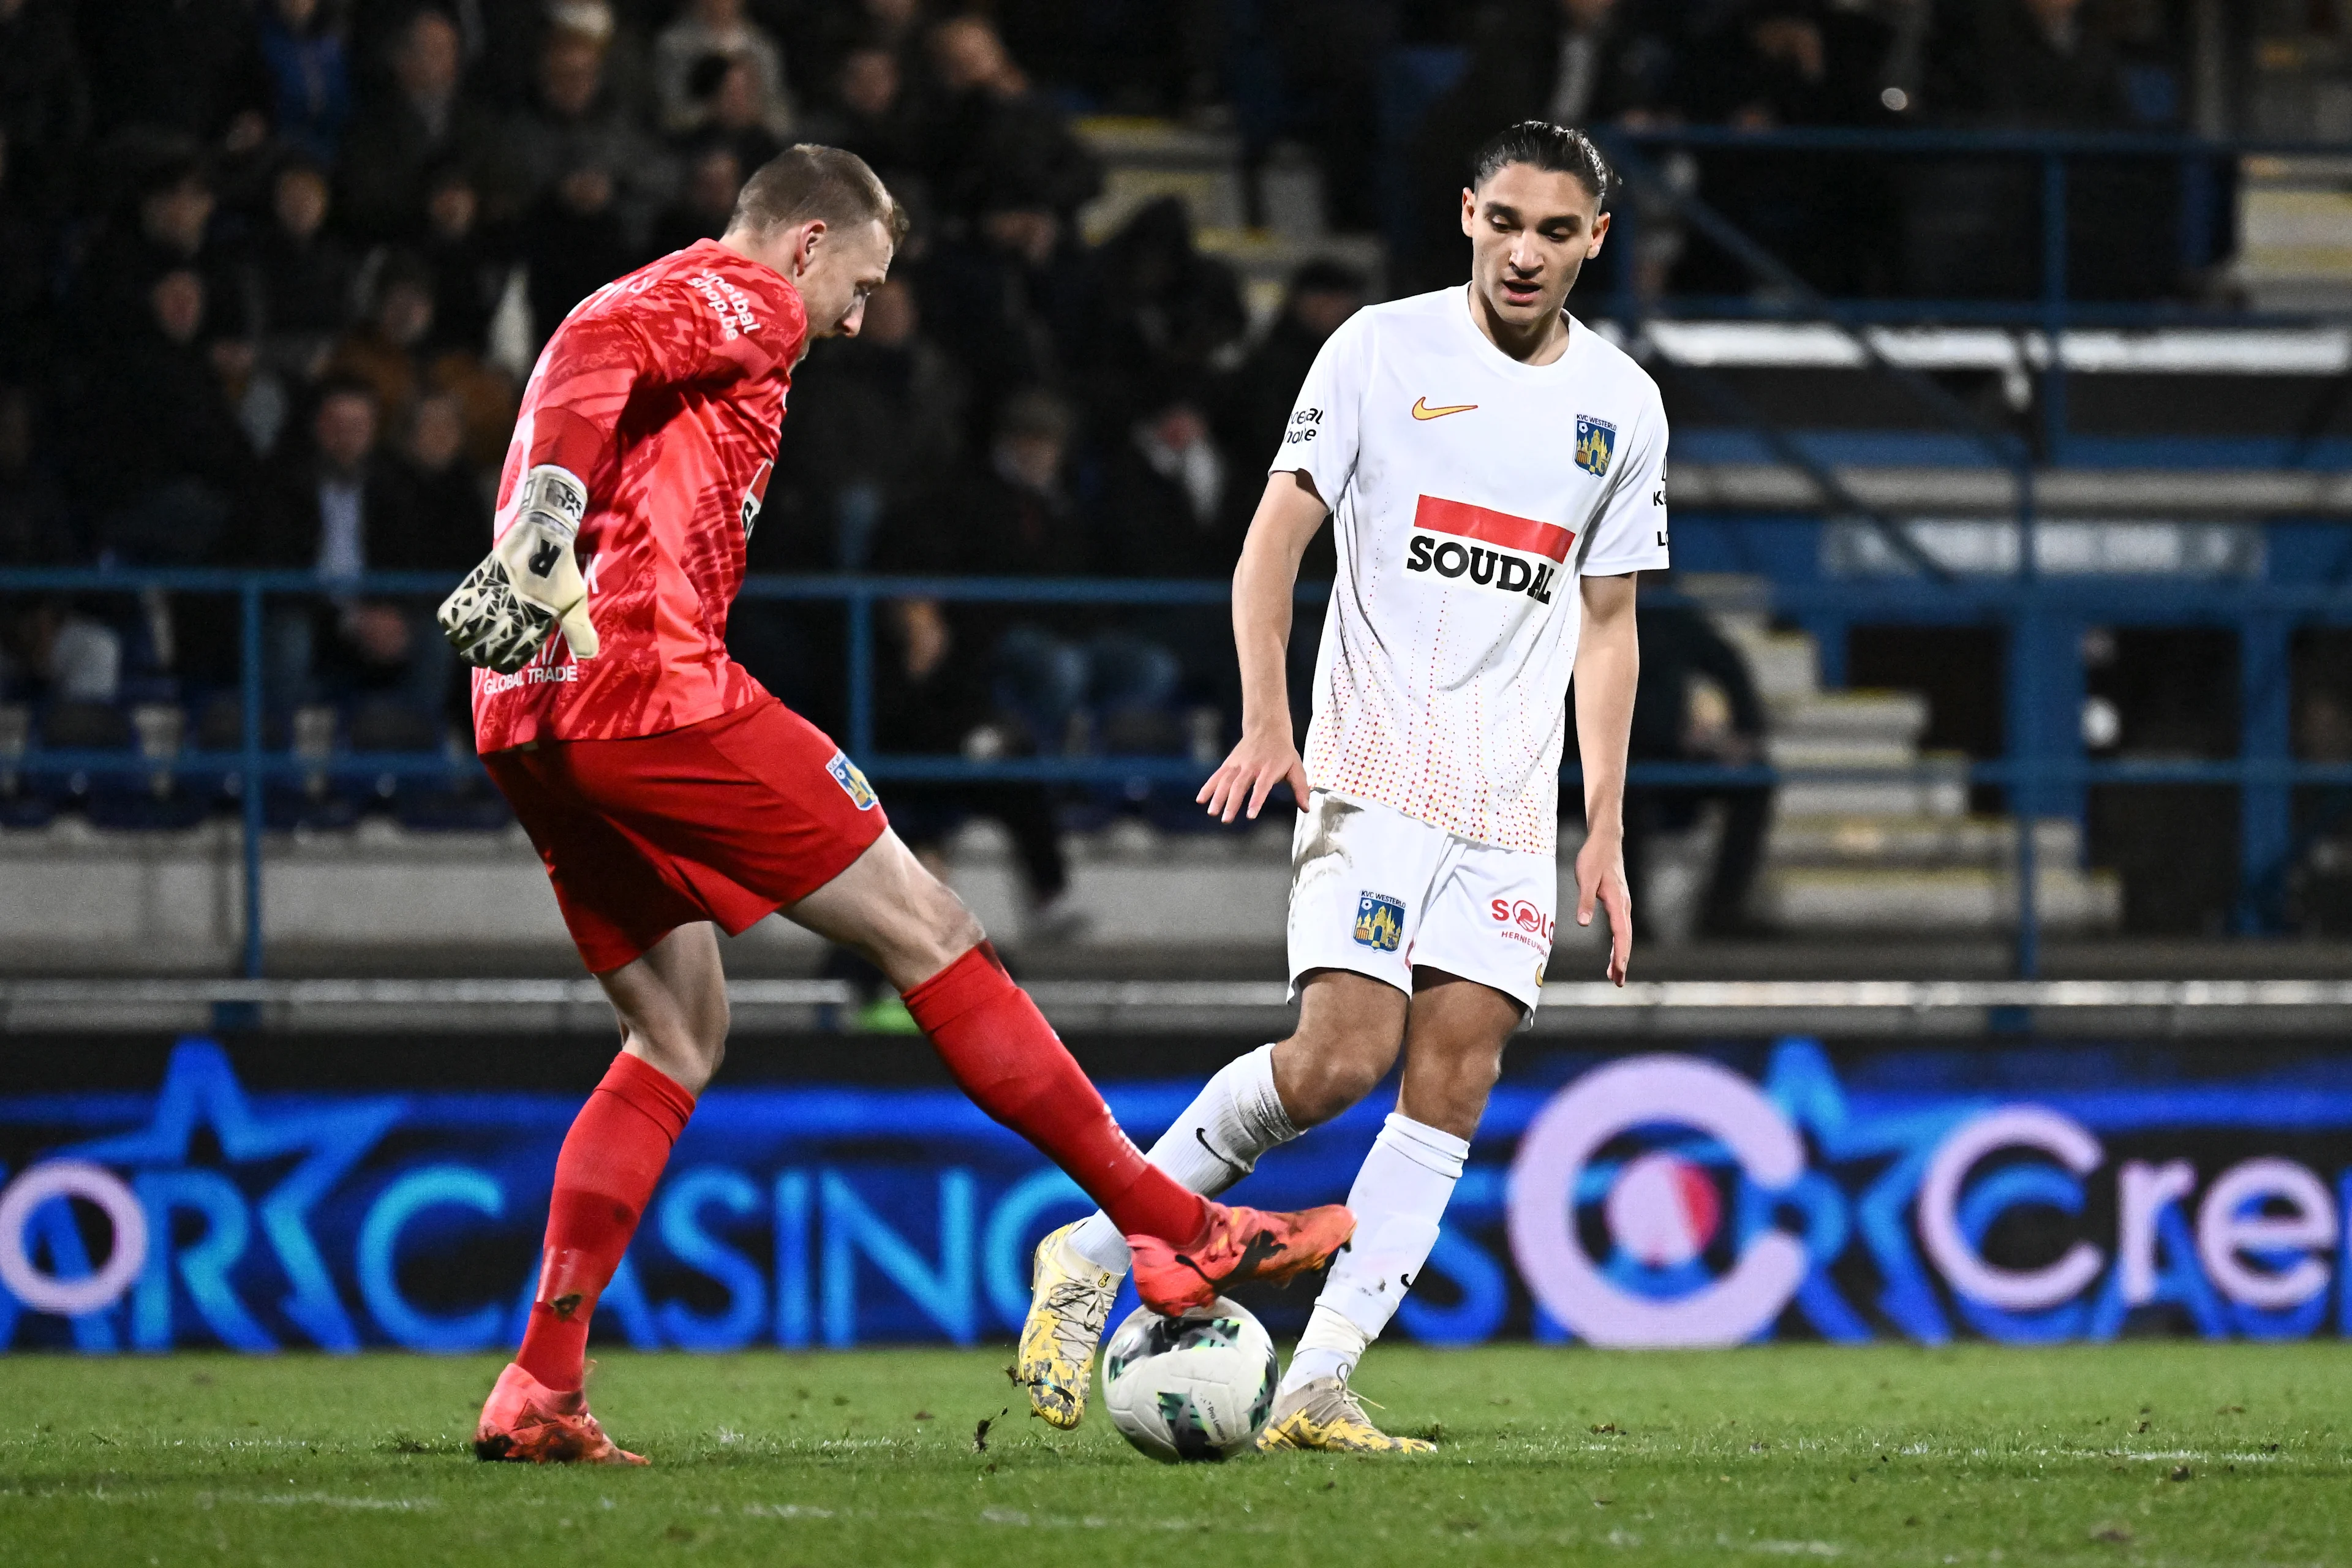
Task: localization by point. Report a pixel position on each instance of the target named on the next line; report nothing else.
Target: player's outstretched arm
(1608, 664)
(1263, 583)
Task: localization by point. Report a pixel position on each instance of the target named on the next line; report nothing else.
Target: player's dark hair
(1562, 149)
(807, 183)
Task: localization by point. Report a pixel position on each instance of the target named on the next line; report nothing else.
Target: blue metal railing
(2051, 310)
(2043, 616)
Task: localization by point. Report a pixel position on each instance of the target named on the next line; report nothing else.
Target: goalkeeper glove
(529, 582)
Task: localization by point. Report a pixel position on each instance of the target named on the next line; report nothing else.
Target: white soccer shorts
(1377, 892)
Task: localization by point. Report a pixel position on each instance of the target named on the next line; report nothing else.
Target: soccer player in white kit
(1495, 475)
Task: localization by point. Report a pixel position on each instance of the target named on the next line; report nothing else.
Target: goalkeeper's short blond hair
(809, 182)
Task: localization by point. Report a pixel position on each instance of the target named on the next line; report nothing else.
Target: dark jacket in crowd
(188, 66)
(1162, 312)
(304, 290)
(389, 152)
(1149, 528)
(399, 534)
(447, 512)
(44, 101)
(199, 442)
(1990, 64)
(1678, 642)
(990, 153)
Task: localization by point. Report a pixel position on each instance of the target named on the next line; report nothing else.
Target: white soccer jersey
(1468, 492)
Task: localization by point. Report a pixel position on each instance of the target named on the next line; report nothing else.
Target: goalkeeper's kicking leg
(1350, 1028)
(673, 1010)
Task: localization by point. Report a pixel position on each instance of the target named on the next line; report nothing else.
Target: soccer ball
(1195, 1387)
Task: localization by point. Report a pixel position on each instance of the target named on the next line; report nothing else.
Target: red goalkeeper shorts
(726, 820)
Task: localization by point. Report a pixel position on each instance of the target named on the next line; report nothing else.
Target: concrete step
(1840, 751)
(1144, 160)
(1822, 900)
(1898, 717)
(1931, 789)
(1913, 842)
(1784, 665)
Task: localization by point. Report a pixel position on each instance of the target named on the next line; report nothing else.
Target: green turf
(2137, 1453)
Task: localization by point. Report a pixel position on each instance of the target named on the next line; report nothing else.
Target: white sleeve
(1320, 439)
(1629, 531)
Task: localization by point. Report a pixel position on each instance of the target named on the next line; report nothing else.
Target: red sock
(1009, 1060)
(611, 1160)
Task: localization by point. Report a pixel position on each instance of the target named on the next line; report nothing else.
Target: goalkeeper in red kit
(667, 794)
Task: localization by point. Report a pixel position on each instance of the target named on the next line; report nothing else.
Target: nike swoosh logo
(1238, 1170)
(1422, 410)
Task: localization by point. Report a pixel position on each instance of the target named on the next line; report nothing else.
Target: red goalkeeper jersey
(665, 392)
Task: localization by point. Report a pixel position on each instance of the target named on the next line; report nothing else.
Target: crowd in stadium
(271, 272)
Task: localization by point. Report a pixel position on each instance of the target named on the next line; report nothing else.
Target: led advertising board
(2012, 1191)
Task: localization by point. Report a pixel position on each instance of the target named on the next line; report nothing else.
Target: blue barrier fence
(2204, 170)
(2046, 773)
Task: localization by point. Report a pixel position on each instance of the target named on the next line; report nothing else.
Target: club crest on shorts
(1379, 921)
(852, 782)
(1596, 443)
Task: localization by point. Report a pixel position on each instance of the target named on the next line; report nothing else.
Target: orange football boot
(1240, 1244)
(529, 1423)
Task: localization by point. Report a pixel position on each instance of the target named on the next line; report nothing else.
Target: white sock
(1216, 1143)
(1399, 1197)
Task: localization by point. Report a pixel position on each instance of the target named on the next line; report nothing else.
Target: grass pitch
(2136, 1453)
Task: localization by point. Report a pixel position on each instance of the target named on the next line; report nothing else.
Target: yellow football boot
(1069, 1300)
(1327, 1417)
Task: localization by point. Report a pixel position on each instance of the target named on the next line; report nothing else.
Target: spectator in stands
(48, 646)
(705, 28)
(574, 120)
(1169, 507)
(448, 505)
(303, 276)
(400, 135)
(388, 350)
(1680, 649)
(574, 243)
(163, 498)
(2033, 65)
(190, 66)
(706, 204)
(997, 145)
(29, 249)
(893, 25)
(2024, 65)
(470, 263)
(1830, 217)
(44, 101)
(309, 76)
(1254, 407)
(168, 228)
(876, 437)
(394, 354)
(1777, 63)
(930, 697)
(1163, 314)
(873, 118)
(37, 527)
(1065, 680)
(1255, 404)
(726, 87)
(337, 507)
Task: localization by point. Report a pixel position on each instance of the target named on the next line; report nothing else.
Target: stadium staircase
(1896, 853)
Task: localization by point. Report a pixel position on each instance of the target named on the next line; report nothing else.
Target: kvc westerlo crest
(1596, 443)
